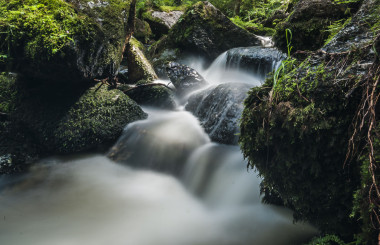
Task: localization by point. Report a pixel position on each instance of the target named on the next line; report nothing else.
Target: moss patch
(67, 121)
(309, 22)
(296, 128)
(74, 40)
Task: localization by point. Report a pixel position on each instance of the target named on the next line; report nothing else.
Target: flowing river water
(175, 188)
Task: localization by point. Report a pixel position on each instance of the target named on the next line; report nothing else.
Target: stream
(168, 183)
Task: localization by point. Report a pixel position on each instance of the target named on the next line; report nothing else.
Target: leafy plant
(335, 27)
(327, 240)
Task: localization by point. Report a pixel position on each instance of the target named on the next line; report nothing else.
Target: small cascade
(162, 142)
(163, 182)
(214, 172)
(249, 64)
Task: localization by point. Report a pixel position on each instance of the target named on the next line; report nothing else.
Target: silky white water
(169, 186)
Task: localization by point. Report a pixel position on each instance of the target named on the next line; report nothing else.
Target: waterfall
(163, 183)
(247, 64)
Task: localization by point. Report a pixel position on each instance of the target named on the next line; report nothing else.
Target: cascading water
(171, 186)
(248, 64)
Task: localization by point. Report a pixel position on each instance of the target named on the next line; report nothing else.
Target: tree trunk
(131, 23)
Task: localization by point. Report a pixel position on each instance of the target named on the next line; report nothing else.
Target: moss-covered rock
(203, 29)
(143, 32)
(67, 121)
(139, 67)
(161, 21)
(296, 130)
(63, 40)
(308, 23)
(184, 78)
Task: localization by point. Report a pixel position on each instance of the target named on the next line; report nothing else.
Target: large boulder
(63, 120)
(205, 30)
(161, 22)
(219, 109)
(63, 41)
(139, 67)
(308, 23)
(184, 78)
(299, 129)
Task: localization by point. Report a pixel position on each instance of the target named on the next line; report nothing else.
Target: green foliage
(362, 208)
(335, 27)
(42, 27)
(162, 5)
(260, 10)
(326, 240)
(252, 26)
(8, 93)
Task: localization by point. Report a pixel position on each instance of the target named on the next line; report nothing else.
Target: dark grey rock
(184, 78)
(161, 22)
(153, 95)
(219, 110)
(204, 30)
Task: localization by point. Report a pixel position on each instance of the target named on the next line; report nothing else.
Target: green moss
(97, 117)
(64, 119)
(295, 132)
(308, 23)
(8, 93)
(143, 31)
(307, 35)
(203, 29)
(138, 63)
(44, 38)
(173, 8)
(42, 27)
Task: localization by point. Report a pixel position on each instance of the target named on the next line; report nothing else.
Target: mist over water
(167, 185)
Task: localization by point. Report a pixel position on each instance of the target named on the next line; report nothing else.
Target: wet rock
(161, 22)
(139, 66)
(159, 96)
(184, 78)
(356, 33)
(219, 109)
(255, 60)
